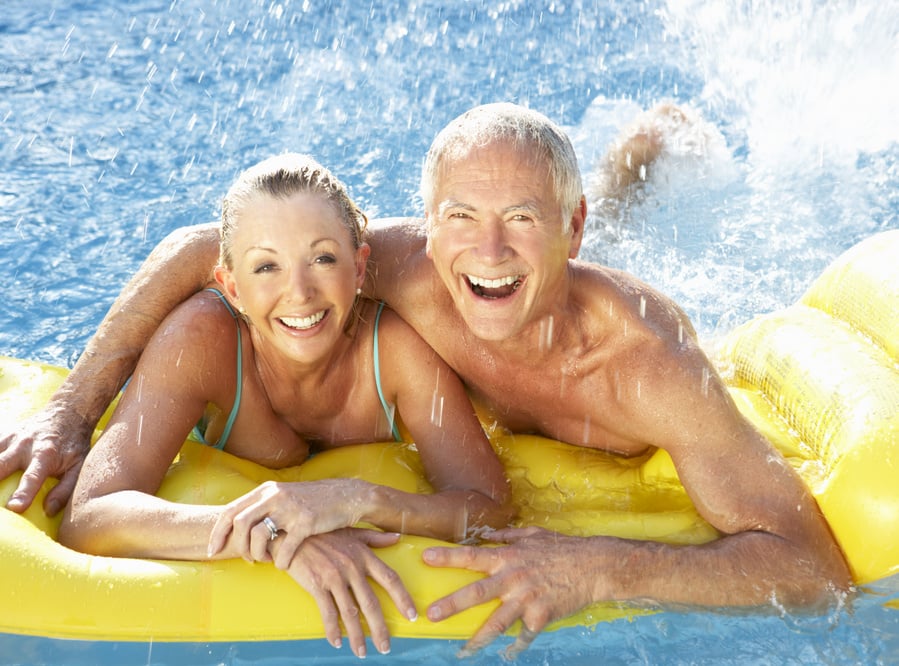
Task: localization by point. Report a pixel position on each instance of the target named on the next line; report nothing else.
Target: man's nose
(492, 241)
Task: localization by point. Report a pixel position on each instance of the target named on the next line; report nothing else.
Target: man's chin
(491, 329)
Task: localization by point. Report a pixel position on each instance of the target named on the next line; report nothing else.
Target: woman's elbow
(494, 512)
(78, 532)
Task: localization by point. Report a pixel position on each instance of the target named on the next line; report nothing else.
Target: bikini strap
(237, 394)
(390, 413)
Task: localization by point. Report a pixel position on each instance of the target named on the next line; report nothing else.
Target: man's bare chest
(559, 404)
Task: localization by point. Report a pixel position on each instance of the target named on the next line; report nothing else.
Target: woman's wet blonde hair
(282, 177)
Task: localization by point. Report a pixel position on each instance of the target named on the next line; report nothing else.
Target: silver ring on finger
(272, 528)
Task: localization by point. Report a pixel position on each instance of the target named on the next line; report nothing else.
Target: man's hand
(537, 578)
(49, 444)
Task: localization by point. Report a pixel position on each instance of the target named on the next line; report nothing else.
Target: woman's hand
(298, 510)
(334, 568)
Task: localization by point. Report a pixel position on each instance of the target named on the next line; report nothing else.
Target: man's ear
(428, 252)
(576, 227)
(362, 254)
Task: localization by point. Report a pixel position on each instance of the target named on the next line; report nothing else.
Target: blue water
(122, 121)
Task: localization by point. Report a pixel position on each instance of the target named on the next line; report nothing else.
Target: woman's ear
(229, 287)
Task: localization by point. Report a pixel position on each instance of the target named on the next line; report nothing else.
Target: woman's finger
(349, 614)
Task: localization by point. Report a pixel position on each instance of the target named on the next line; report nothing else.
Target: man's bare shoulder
(398, 267)
(390, 237)
(613, 297)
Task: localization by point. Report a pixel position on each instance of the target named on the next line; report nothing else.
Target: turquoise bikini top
(389, 410)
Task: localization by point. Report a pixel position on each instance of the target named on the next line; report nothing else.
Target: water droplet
(437, 405)
(546, 333)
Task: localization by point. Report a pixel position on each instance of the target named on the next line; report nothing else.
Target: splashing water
(803, 94)
(120, 122)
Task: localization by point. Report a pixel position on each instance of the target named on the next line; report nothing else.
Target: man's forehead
(517, 152)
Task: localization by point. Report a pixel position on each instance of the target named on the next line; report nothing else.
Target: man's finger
(510, 534)
(464, 598)
(495, 626)
(29, 485)
(59, 495)
(460, 557)
(522, 642)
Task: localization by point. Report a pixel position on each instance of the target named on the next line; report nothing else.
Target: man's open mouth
(494, 288)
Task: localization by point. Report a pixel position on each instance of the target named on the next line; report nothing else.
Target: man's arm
(776, 548)
(397, 250)
(54, 442)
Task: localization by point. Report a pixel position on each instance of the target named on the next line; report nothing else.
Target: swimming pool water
(122, 121)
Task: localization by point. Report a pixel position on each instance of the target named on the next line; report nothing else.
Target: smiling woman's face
(295, 272)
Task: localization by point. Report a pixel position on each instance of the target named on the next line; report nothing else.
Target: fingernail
(411, 614)
(385, 647)
(361, 653)
(337, 644)
(53, 507)
(434, 615)
(428, 555)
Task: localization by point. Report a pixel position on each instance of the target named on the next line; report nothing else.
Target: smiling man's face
(498, 240)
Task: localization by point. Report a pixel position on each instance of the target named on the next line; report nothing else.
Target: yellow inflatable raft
(819, 379)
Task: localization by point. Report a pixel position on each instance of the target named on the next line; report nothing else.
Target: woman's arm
(113, 510)
(471, 490)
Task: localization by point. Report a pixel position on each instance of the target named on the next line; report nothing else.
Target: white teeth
(493, 284)
(303, 322)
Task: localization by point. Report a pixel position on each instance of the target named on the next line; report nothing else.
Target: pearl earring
(358, 291)
(242, 310)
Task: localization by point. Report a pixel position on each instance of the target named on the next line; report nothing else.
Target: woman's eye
(264, 268)
(325, 259)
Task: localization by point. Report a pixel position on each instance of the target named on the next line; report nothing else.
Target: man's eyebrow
(530, 207)
(452, 203)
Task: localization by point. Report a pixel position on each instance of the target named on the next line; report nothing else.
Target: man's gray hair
(517, 126)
